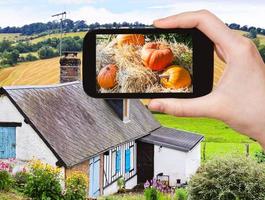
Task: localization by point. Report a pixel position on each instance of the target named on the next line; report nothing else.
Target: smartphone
(147, 63)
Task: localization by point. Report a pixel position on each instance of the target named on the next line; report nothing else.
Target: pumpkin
(130, 39)
(107, 76)
(156, 56)
(175, 77)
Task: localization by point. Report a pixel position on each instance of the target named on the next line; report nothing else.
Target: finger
(205, 21)
(220, 53)
(197, 107)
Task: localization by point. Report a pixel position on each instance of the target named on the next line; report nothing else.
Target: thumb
(197, 107)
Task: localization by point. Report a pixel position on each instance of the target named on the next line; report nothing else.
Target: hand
(239, 98)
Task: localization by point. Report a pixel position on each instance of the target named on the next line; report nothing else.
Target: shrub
(10, 58)
(151, 194)
(43, 182)
(6, 180)
(232, 177)
(21, 180)
(260, 156)
(76, 186)
(47, 52)
(121, 184)
(181, 194)
(31, 57)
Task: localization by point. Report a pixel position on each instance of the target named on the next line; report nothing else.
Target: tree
(10, 58)
(253, 33)
(71, 44)
(31, 57)
(68, 25)
(47, 52)
(5, 45)
(234, 26)
(244, 28)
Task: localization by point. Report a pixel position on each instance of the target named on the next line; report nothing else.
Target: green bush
(31, 57)
(260, 156)
(43, 182)
(181, 194)
(151, 194)
(6, 180)
(76, 186)
(121, 184)
(9, 58)
(47, 52)
(231, 177)
(20, 179)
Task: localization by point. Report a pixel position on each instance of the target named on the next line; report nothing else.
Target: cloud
(102, 15)
(71, 1)
(242, 12)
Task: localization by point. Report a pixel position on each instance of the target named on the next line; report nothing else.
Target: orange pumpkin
(175, 77)
(107, 76)
(130, 39)
(156, 56)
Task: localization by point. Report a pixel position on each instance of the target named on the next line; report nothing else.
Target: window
(7, 142)
(113, 163)
(131, 158)
(118, 161)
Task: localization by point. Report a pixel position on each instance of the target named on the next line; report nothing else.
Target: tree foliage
(232, 177)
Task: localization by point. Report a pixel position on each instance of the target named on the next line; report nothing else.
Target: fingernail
(157, 21)
(155, 106)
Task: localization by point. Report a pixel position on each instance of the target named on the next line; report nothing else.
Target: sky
(21, 12)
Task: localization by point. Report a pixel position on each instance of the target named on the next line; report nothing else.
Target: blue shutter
(127, 160)
(118, 161)
(94, 176)
(7, 142)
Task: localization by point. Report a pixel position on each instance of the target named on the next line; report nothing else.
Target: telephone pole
(62, 17)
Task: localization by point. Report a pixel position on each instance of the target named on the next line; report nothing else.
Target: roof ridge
(39, 86)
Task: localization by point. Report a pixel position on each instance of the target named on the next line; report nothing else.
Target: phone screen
(144, 63)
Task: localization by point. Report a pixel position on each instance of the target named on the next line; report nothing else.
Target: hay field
(40, 72)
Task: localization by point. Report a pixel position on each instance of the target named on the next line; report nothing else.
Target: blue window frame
(7, 142)
(127, 160)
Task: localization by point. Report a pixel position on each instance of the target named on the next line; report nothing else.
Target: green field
(57, 35)
(10, 36)
(219, 138)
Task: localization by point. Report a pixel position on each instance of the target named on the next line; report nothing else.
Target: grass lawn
(131, 196)
(220, 138)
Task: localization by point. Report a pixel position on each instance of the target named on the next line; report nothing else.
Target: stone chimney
(69, 67)
(121, 107)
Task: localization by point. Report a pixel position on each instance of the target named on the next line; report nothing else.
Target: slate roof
(174, 139)
(74, 125)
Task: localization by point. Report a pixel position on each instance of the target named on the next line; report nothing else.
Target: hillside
(47, 71)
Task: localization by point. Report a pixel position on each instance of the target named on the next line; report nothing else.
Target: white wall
(113, 188)
(193, 161)
(131, 183)
(28, 143)
(176, 164)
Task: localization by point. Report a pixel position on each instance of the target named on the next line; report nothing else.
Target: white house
(106, 139)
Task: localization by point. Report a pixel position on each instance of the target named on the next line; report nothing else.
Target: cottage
(106, 139)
